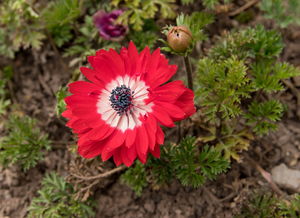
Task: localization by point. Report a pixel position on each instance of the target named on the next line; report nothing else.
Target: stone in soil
(286, 178)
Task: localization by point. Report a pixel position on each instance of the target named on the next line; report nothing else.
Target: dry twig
(102, 175)
(266, 175)
(244, 7)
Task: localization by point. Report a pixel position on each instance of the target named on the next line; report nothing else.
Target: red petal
(142, 157)
(156, 151)
(130, 138)
(81, 101)
(133, 56)
(151, 126)
(162, 116)
(126, 60)
(100, 133)
(91, 76)
(128, 155)
(83, 87)
(143, 61)
(170, 92)
(160, 136)
(115, 140)
(67, 113)
(186, 102)
(117, 157)
(105, 69)
(78, 125)
(142, 141)
(175, 112)
(91, 149)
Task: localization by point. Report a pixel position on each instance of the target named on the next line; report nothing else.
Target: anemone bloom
(108, 29)
(119, 112)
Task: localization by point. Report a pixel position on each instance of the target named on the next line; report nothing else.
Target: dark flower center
(121, 99)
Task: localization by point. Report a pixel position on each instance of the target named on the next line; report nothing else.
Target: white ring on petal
(139, 108)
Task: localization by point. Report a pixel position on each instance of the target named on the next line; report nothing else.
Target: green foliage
(61, 12)
(195, 22)
(290, 209)
(222, 86)
(268, 206)
(23, 143)
(264, 115)
(185, 162)
(255, 43)
(84, 45)
(211, 4)
(284, 12)
(193, 170)
(135, 177)
(139, 10)
(242, 64)
(5, 76)
(268, 75)
(186, 2)
(56, 200)
(59, 16)
(233, 87)
(20, 27)
(147, 37)
(61, 94)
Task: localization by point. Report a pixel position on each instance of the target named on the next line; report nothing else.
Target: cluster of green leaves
(26, 25)
(5, 75)
(59, 16)
(268, 206)
(210, 4)
(284, 12)
(191, 164)
(20, 27)
(195, 23)
(61, 94)
(242, 66)
(56, 200)
(137, 11)
(84, 44)
(23, 143)
(234, 84)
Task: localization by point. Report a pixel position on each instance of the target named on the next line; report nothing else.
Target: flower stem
(189, 72)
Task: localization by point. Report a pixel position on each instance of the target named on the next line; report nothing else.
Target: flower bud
(179, 38)
(108, 29)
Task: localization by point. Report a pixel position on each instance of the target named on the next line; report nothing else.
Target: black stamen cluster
(121, 99)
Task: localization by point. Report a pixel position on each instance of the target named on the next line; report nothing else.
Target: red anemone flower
(119, 112)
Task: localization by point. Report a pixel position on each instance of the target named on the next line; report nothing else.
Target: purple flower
(108, 29)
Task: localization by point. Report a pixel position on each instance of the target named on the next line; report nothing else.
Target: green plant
(210, 4)
(234, 83)
(284, 12)
(59, 17)
(23, 143)
(195, 23)
(60, 103)
(268, 206)
(138, 11)
(56, 200)
(188, 162)
(5, 76)
(20, 27)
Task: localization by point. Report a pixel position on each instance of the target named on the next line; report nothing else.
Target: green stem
(189, 72)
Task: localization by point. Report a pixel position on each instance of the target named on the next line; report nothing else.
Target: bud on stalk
(179, 38)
